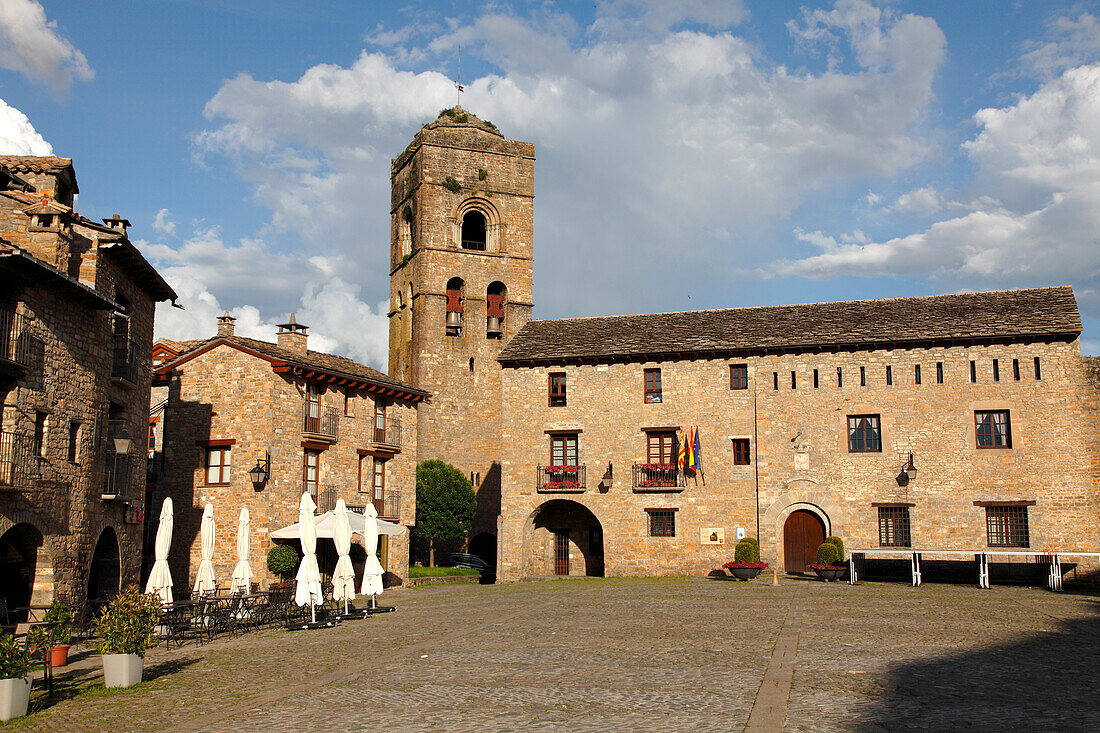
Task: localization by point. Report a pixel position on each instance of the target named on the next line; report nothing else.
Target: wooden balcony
(658, 477)
(560, 479)
(320, 423)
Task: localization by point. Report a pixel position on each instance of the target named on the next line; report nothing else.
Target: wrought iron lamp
(908, 472)
(259, 473)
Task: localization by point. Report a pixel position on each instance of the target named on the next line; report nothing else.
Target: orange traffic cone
(775, 578)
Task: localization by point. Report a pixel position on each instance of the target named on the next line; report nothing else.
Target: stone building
(76, 331)
(314, 421)
(461, 252)
(807, 417)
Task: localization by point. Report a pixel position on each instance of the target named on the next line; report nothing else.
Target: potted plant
(126, 630)
(15, 678)
(829, 565)
(60, 614)
(746, 564)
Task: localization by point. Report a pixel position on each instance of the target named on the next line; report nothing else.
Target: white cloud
(163, 223)
(17, 134)
(1040, 222)
(925, 200)
(1071, 42)
(31, 45)
(645, 142)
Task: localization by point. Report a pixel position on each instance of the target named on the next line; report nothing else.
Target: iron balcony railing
(657, 476)
(19, 466)
(389, 433)
(323, 421)
(325, 499)
(125, 362)
(13, 337)
(120, 475)
(389, 506)
(560, 479)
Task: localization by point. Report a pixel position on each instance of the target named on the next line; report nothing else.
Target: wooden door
(802, 533)
(561, 552)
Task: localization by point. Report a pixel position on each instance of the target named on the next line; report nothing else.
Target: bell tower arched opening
(474, 230)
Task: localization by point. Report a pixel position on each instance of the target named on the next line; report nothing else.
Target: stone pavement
(627, 654)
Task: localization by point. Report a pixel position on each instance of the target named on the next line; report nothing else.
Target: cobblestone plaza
(629, 654)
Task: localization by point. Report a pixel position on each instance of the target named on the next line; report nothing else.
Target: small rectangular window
(347, 403)
(815, 379)
(652, 379)
(1016, 369)
(864, 434)
(1038, 371)
(311, 467)
(992, 429)
(794, 382)
(218, 460)
(939, 372)
(973, 372)
(740, 451)
(74, 440)
(40, 431)
(563, 450)
(839, 377)
(889, 376)
(557, 389)
(1006, 526)
(863, 376)
(662, 523)
(775, 380)
(893, 526)
(739, 376)
(996, 371)
(916, 374)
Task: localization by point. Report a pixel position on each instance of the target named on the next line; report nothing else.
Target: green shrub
(15, 661)
(451, 184)
(839, 544)
(746, 551)
(482, 174)
(827, 554)
(490, 125)
(126, 627)
(752, 541)
(60, 614)
(282, 560)
(415, 572)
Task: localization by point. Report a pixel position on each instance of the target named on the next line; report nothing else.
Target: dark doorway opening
(105, 573)
(18, 564)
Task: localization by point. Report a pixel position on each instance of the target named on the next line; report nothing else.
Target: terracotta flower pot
(59, 655)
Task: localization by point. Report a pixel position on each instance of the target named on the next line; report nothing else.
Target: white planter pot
(15, 694)
(122, 670)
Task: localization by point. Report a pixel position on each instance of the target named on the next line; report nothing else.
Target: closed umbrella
(160, 577)
(309, 576)
(343, 578)
(242, 572)
(372, 571)
(204, 580)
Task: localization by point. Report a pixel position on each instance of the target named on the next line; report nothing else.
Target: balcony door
(313, 408)
(561, 552)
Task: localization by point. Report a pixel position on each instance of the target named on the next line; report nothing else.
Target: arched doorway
(563, 538)
(802, 533)
(105, 573)
(484, 545)
(19, 561)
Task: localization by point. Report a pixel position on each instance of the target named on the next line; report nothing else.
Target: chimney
(117, 223)
(292, 336)
(225, 325)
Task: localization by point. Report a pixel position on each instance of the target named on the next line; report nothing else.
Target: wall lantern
(608, 477)
(908, 472)
(259, 473)
(123, 443)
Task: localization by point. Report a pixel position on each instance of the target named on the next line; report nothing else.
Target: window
(815, 379)
(775, 380)
(74, 440)
(794, 384)
(973, 372)
(1016, 369)
(996, 371)
(992, 429)
(217, 464)
(1006, 526)
(863, 376)
(740, 451)
(379, 421)
(494, 310)
(152, 442)
(652, 385)
(661, 447)
(557, 389)
(347, 403)
(563, 450)
(40, 431)
(473, 231)
(864, 434)
(839, 377)
(313, 408)
(660, 467)
(378, 484)
(311, 466)
(456, 289)
(893, 526)
(939, 372)
(889, 375)
(916, 374)
(1038, 371)
(739, 376)
(662, 522)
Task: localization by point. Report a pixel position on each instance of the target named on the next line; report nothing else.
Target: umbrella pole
(312, 612)
(345, 605)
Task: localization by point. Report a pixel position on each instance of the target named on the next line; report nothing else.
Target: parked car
(464, 560)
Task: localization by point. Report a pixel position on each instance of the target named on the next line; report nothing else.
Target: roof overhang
(35, 270)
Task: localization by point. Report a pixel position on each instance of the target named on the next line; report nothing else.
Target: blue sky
(690, 155)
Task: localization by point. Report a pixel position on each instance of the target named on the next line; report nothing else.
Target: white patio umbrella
(372, 571)
(160, 577)
(204, 579)
(242, 572)
(343, 577)
(309, 576)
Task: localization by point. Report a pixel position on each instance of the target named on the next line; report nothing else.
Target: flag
(689, 449)
(681, 451)
(697, 451)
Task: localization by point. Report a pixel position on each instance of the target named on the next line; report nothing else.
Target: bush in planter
(15, 682)
(827, 554)
(282, 560)
(839, 544)
(126, 627)
(746, 551)
(15, 661)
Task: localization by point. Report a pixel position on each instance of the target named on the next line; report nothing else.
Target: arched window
(405, 233)
(473, 231)
(495, 297)
(456, 292)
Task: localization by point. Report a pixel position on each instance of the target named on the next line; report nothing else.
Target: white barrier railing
(1054, 577)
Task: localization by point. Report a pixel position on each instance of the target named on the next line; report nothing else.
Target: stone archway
(803, 531)
(105, 571)
(26, 569)
(562, 537)
(794, 499)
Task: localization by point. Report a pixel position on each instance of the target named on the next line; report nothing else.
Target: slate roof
(315, 360)
(990, 316)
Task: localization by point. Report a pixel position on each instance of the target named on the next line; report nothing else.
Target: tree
(445, 504)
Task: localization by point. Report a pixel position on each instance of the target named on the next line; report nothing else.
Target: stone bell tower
(461, 254)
